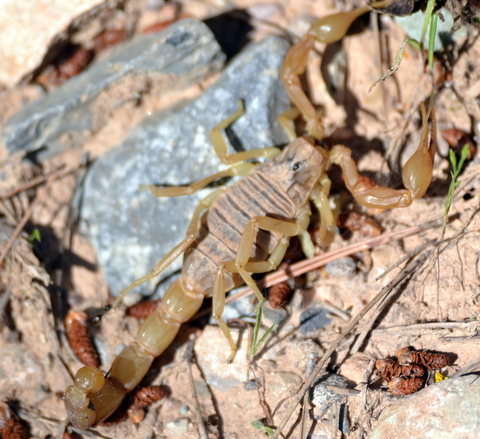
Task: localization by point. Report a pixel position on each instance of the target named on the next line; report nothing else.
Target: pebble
(446, 410)
(178, 427)
(323, 397)
(132, 230)
(211, 352)
(412, 25)
(313, 319)
(343, 267)
(181, 55)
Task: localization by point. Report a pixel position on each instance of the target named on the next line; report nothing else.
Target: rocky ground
(75, 229)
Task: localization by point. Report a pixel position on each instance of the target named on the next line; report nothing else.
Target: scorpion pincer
(245, 229)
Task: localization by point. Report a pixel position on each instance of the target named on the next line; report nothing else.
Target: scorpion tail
(94, 397)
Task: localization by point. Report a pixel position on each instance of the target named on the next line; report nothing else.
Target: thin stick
(198, 414)
(56, 173)
(406, 257)
(366, 330)
(399, 279)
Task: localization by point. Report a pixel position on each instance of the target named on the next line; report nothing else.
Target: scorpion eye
(296, 166)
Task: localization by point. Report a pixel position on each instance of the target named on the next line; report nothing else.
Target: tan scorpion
(245, 228)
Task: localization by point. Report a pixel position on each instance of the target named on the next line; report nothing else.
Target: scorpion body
(246, 228)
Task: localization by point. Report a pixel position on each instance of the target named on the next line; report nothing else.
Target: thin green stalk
(431, 40)
(256, 345)
(455, 172)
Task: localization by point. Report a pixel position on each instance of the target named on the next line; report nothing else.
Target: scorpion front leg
(417, 172)
(240, 168)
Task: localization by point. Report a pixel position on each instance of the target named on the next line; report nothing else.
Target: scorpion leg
(327, 218)
(242, 266)
(286, 122)
(177, 250)
(220, 146)
(240, 169)
(417, 172)
(294, 65)
(218, 305)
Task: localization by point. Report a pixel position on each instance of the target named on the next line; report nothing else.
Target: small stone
(313, 319)
(178, 427)
(182, 54)
(212, 351)
(274, 316)
(449, 409)
(413, 24)
(132, 230)
(354, 367)
(323, 397)
(252, 384)
(343, 267)
(202, 390)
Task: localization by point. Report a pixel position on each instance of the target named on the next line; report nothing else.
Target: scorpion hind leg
(241, 265)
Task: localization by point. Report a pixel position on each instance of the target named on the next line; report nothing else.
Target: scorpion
(246, 228)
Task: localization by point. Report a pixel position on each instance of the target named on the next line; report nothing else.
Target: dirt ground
(435, 306)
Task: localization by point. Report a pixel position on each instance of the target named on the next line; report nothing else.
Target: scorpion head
(297, 170)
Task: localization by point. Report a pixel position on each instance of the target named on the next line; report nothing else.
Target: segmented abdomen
(223, 225)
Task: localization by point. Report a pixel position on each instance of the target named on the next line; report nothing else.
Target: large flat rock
(131, 230)
(182, 54)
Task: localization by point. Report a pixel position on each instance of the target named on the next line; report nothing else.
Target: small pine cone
(405, 385)
(143, 309)
(389, 369)
(79, 338)
(141, 398)
(279, 294)
(144, 396)
(108, 38)
(430, 360)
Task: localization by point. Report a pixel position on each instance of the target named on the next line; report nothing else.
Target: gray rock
(341, 267)
(323, 397)
(182, 54)
(449, 409)
(313, 319)
(131, 230)
(178, 427)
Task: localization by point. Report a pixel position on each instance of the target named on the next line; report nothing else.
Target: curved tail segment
(93, 396)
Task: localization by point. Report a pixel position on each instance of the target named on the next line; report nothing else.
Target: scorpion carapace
(241, 230)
